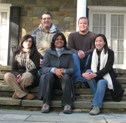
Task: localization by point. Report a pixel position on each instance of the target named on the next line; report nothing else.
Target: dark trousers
(51, 80)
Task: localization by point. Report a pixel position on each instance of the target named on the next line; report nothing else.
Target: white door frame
(5, 42)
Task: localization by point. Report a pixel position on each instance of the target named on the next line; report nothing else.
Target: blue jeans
(79, 65)
(98, 89)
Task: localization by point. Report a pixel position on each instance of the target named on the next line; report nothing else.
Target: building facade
(20, 17)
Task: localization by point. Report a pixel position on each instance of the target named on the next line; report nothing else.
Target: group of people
(44, 59)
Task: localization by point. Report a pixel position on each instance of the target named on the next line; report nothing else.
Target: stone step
(8, 68)
(77, 105)
(80, 93)
(5, 88)
(5, 68)
(120, 71)
(82, 102)
(120, 79)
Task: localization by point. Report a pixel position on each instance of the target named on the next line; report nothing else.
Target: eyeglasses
(28, 40)
(46, 18)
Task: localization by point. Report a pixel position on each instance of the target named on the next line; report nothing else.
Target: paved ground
(20, 116)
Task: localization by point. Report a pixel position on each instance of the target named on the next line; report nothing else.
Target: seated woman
(25, 65)
(100, 74)
(57, 71)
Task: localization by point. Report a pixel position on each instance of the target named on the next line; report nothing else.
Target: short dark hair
(54, 39)
(83, 18)
(48, 13)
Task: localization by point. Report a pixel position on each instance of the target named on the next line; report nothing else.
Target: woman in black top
(100, 74)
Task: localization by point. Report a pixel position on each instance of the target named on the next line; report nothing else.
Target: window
(117, 37)
(111, 22)
(99, 23)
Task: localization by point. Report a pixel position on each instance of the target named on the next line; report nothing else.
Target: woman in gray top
(57, 71)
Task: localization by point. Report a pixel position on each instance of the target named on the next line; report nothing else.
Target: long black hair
(105, 40)
(54, 39)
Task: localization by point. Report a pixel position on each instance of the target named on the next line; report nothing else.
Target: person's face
(46, 20)
(59, 43)
(27, 43)
(83, 25)
(99, 43)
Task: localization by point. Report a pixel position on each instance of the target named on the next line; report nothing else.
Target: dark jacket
(117, 92)
(18, 69)
(52, 60)
(77, 41)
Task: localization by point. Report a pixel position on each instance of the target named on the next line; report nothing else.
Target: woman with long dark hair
(100, 74)
(57, 71)
(25, 65)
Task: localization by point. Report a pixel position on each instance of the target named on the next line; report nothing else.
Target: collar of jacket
(52, 29)
(53, 52)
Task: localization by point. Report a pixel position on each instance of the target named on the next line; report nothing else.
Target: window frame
(109, 10)
(6, 8)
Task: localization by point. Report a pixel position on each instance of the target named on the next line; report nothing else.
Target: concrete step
(78, 105)
(80, 93)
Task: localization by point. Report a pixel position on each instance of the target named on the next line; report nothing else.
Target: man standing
(44, 32)
(81, 43)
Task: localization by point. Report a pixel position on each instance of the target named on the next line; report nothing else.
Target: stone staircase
(81, 104)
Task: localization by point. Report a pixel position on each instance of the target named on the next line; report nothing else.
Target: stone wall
(107, 2)
(63, 11)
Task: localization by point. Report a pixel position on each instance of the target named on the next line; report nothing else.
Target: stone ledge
(57, 103)
(5, 68)
(76, 104)
(6, 88)
(9, 101)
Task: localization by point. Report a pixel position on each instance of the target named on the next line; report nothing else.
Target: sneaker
(95, 110)
(45, 108)
(67, 109)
